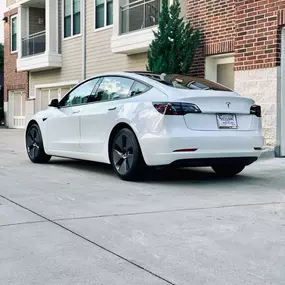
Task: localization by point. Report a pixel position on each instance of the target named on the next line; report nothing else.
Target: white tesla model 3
(138, 119)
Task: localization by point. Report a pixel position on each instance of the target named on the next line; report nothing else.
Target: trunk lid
(213, 104)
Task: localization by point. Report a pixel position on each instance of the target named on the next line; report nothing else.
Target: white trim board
(211, 63)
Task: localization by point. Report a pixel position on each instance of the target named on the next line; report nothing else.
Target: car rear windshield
(186, 82)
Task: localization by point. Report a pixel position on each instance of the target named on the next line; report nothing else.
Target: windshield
(186, 82)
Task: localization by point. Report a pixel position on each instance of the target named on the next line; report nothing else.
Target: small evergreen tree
(175, 43)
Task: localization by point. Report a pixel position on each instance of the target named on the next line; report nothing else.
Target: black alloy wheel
(34, 145)
(126, 156)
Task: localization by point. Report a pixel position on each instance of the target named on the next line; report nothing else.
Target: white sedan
(135, 120)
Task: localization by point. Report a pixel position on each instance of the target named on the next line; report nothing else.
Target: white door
(99, 115)
(17, 101)
(64, 124)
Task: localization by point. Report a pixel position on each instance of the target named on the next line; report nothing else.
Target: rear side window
(139, 88)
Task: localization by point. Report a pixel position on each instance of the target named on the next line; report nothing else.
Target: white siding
(99, 57)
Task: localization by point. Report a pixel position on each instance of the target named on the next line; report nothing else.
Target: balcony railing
(34, 44)
(139, 14)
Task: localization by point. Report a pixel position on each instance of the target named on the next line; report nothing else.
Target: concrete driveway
(71, 222)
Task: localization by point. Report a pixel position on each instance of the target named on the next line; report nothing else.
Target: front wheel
(126, 157)
(34, 145)
(228, 170)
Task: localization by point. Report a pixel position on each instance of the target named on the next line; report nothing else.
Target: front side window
(103, 13)
(14, 33)
(81, 94)
(113, 88)
(72, 18)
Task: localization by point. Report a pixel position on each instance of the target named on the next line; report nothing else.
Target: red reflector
(186, 150)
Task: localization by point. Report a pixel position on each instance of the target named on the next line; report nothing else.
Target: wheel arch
(114, 131)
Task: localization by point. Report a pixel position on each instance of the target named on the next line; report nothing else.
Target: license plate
(227, 121)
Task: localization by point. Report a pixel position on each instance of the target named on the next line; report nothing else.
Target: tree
(1, 57)
(175, 43)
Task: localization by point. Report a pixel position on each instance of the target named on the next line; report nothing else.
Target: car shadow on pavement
(178, 176)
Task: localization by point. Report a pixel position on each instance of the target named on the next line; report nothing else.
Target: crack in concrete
(23, 223)
(92, 242)
(169, 211)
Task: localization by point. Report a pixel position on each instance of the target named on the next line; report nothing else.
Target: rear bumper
(211, 147)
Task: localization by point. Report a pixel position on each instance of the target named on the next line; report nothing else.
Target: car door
(64, 125)
(100, 114)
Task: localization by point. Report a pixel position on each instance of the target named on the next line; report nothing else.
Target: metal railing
(34, 44)
(139, 14)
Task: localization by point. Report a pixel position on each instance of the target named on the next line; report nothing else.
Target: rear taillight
(255, 110)
(173, 108)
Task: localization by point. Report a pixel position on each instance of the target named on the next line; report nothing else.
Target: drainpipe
(83, 39)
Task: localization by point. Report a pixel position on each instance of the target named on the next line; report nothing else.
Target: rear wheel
(126, 157)
(34, 145)
(228, 170)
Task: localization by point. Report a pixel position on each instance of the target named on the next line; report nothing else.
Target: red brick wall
(12, 79)
(249, 28)
(216, 21)
(257, 42)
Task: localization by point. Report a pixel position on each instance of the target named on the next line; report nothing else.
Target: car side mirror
(54, 103)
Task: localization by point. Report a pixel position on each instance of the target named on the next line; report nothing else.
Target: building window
(138, 14)
(14, 33)
(103, 13)
(72, 18)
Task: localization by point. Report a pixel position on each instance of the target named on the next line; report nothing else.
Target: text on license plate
(227, 121)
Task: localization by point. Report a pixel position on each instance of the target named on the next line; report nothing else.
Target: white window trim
(63, 25)
(11, 21)
(105, 17)
(211, 63)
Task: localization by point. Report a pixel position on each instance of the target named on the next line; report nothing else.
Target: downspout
(83, 39)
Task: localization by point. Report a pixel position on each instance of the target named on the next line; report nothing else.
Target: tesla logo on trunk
(228, 104)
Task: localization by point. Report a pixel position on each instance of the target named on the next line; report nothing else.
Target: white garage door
(45, 95)
(16, 109)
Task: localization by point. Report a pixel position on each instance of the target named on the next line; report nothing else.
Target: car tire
(228, 170)
(126, 156)
(34, 145)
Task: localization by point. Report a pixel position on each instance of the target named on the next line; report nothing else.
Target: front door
(64, 124)
(100, 114)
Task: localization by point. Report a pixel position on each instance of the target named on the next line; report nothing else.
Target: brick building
(16, 83)
(243, 47)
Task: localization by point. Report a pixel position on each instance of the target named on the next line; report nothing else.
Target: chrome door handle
(76, 112)
(112, 109)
